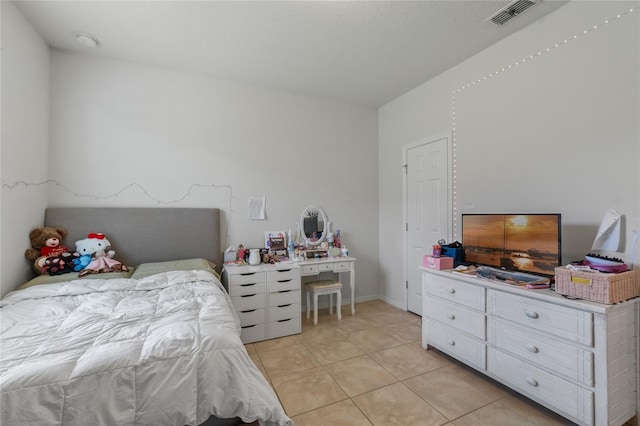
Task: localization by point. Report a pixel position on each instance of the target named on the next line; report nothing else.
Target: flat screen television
(516, 242)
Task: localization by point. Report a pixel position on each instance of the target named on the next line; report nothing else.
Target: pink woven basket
(597, 286)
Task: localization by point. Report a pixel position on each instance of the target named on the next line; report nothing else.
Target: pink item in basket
(603, 265)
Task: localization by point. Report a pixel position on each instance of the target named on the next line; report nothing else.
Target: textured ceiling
(355, 51)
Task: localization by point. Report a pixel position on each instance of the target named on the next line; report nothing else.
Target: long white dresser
(577, 358)
(266, 298)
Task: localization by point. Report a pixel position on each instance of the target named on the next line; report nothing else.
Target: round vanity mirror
(313, 225)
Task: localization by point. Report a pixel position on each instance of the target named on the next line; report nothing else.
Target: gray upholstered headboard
(140, 235)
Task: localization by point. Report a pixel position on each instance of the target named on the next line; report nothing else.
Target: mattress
(162, 349)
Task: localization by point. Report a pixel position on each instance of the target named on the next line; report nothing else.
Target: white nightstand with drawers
(575, 357)
(266, 298)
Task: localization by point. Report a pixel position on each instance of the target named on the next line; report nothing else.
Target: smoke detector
(511, 10)
(87, 40)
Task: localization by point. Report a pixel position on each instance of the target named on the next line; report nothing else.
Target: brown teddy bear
(46, 243)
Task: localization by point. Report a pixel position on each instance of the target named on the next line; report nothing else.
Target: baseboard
(393, 303)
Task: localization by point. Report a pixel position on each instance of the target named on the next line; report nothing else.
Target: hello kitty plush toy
(97, 248)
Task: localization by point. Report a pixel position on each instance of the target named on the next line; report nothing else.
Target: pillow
(147, 269)
(51, 279)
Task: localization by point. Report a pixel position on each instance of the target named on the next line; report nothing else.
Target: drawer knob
(452, 317)
(531, 314)
(451, 342)
(532, 381)
(533, 349)
(452, 290)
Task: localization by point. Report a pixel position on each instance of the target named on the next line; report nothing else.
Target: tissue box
(229, 256)
(441, 262)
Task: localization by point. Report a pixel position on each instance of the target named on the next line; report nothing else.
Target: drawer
(249, 301)
(251, 317)
(253, 333)
(472, 296)
(280, 312)
(465, 320)
(284, 297)
(325, 267)
(558, 356)
(341, 266)
(247, 278)
(569, 398)
(242, 289)
(284, 327)
(285, 284)
(457, 344)
(310, 270)
(561, 321)
(283, 274)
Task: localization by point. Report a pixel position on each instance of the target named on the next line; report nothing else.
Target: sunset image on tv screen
(526, 242)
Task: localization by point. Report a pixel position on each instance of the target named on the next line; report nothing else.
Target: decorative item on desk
(454, 250)
(291, 250)
(345, 251)
(273, 234)
(230, 255)
(437, 250)
(336, 239)
(439, 262)
(254, 257)
(607, 239)
(276, 243)
(242, 253)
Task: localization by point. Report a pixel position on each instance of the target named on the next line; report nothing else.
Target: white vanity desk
(340, 265)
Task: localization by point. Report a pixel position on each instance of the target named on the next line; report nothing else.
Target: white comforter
(162, 350)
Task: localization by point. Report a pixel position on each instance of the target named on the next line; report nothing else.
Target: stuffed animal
(58, 265)
(81, 262)
(97, 248)
(95, 245)
(46, 242)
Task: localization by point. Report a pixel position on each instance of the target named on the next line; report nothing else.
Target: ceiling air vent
(511, 11)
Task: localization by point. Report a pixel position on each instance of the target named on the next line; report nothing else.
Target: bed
(158, 345)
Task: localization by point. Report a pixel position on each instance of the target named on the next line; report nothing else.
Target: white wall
(25, 141)
(115, 124)
(555, 133)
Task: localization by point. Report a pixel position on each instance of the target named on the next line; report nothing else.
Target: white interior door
(427, 208)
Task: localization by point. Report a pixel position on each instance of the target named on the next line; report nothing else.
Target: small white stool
(318, 288)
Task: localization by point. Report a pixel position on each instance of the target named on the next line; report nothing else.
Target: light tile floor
(370, 369)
